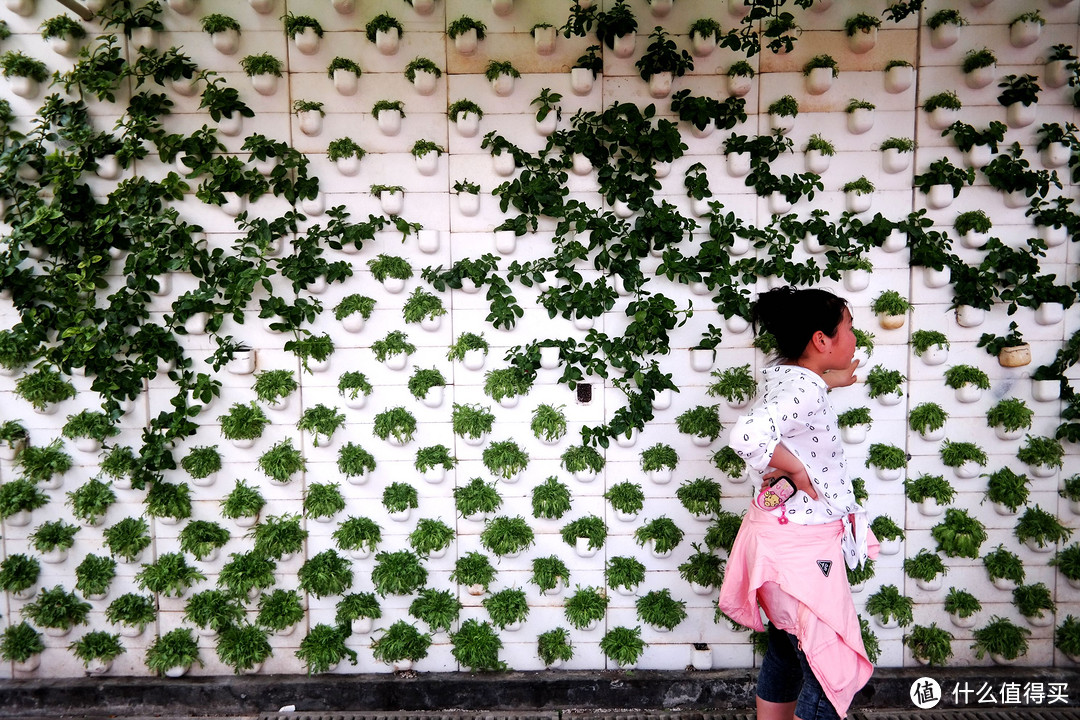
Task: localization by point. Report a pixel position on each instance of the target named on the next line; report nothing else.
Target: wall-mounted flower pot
(891, 546)
(242, 363)
(778, 203)
(942, 117)
(977, 156)
(581, 80)
(425, 82)
(660, 84)
(234, 204)
(934, 278)
(660, 8)
(739, 85)
(311, 122)
(1055, 155)
(1015, 199)
(929, 507)
(1042, 470)
(467, 42)
(232, 125)
(544, 40)
(817, 162)
(388, 41)
(1005, 434)
(467, 124)
(657, 553)
(939, 196)
(860, 120)
(1019, 115)
(64, 45)
(1046, 390)
(888, 474)
(702, 45)
(899, 78)
(549, 357)
(974, 240)
(1024, 33)
(944, 35)
(1056, 73)
(935, 355)
(307, 41)
(1049, 313)
(623, 46)
(854, 434)
(548, 125)
(108, 167)
(346, 82)
(980, 77)
(502, 7)
(348, 166)
(623, 516)
(890, 399)
(856, 279)
(931, 585)
(967, 470)
(662, 399)
(895, 241)
(819, 80)
(143, 38)
(580, 164)
(702, 359)
(503, 84)
(428, 240)
(389, 122)
(468, 204)
(226, 42)
(24, 87)
(863, 41)
(963, 622)
(504, 163)
(891, 322)
(262, 6)
(737, 164)
(392, 201)
(702, 132)
(428, 163)
(781, 123)
(622, 209)
(23, 8)
(1015, 356)
(858, 202)
(625, 441)
(968, 393)
(505, 241)
(265, 83)
(54, 556)
(699, 207)
(894, 161)
(581, 547)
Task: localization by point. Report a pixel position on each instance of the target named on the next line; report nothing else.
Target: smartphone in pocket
(775, 495)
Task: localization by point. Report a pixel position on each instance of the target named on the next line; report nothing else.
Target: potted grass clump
(354, 388)
(701, 423)
(887, 460)
(1035, 603)
(1007, 490)
(968, 381)
(398, 573)
(243, 504)
(891, 309)
(550, 499)
(736, 385)
(128, 538)
(213, 610)
(1040, 530)
(854, 424)
(931, 346)
(243, 424)
(19, 575)
(325, 574)
(264, 70)
(18, 499)
(624, 574)
(930, 492)
(659, 461)
(274, 387)
(44, 464)
(53, 540)
(13, 438)
(431, 538)
(321, 422)
(400, 499)
(586, 534)
(1003, 640)
(401, 645)
(703, 569)
(890, 607)
(700, 497)
(623, 646)
(659, 610)
(965, 458)
(434, 462)
(1009, 417)
(584, 461)
(173, 653)
(506, 536)
(476, 646)
(888, 533)
(323, 649)
(346, 155)
(819, 72)
(662, 536)
(929, 644)
(962, 607)
(170, 575)
(1004, 568)
(358, 536)
(549, 574)
(927, 570)
(1043, 455)
(44, 389)
(384, 30)
(627, 500)
(959, 534)
(507, 608)
(474, 571)
(554, 647)
(359, 611)
(586, 607)
(548, 423)
(132, 613)
(883, 385)
(89, 429)
(477, 500)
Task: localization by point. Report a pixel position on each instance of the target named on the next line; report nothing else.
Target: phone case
(775, 495)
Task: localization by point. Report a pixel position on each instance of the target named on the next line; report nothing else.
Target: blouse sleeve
(757, 433)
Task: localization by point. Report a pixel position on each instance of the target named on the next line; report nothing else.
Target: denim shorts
(785, 677)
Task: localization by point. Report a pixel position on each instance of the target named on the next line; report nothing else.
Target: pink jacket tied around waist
(806, 592)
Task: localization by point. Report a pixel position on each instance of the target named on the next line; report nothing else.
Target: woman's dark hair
(792, 316)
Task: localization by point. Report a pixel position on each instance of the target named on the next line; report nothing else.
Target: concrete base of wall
(262, 694)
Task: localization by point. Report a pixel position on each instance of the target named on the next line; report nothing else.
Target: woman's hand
(784, 463)
(841, 378)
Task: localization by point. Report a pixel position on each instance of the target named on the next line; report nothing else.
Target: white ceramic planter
(781, 123)
(428, 163)
(930, 585)
(941, 118)
(467, 124)
(1015, 199)
(504, 163)
(854, 434)
(1055, 155)
(265, 83)
(389, 122)
(899, 78)
(858, 202)
(891, 546)
(503, 84)
(467, 42)
(1022, 34)
(930, 507)
(944, 35)
(737, 164)
(307, 41)
(231, 126)
(702, 45)
(963, 622)
(1019, 115)
(939, 196)
(816, 161)
(623, 46)
(890, 399)
(544, 40)
(819, 80)
(226, 42)
(392, 202)
(311, 122)
(974, 240)
(1049, 313)
(346, 82)
(863, 41)
(24, 87)
(977, 156)
(739, 85)
(581, 81)
(387, 41)
(856, 280)
(860, 120)
(660, 84)
(980, 77)
(1046, 390)
(778, 204)
(1056, 73)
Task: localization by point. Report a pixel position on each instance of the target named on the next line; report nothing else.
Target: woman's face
(842, 344)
